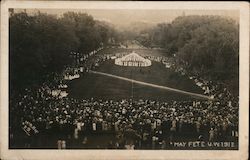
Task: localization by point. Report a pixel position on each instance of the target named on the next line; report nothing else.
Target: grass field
(102, 87)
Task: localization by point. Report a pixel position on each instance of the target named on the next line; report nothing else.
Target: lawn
(101, 87)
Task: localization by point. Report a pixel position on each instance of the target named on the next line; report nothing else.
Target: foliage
(41, 43)
(208, 45)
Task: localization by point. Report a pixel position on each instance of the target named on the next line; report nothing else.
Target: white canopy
(133, 59)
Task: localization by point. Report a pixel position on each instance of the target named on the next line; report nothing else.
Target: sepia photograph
(122, 79)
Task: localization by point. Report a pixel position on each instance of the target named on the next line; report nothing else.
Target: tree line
(40, 43)
(208, 45)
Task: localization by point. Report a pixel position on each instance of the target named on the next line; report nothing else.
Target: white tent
(133, 59)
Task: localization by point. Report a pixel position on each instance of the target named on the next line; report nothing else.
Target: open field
(97, 86)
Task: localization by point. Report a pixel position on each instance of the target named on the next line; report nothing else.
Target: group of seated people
(151, 121)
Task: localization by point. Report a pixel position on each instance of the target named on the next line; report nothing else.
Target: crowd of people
(136, 124)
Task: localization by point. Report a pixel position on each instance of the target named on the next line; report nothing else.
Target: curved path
(152, 85)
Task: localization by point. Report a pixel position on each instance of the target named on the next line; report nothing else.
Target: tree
(208, 45)
(41, 44)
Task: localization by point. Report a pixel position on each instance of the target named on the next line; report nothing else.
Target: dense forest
(41, 43)
(207, 45)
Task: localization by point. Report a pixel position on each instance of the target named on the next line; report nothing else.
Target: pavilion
(133, 59)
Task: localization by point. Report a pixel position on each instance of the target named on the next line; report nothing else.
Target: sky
(123, 17)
